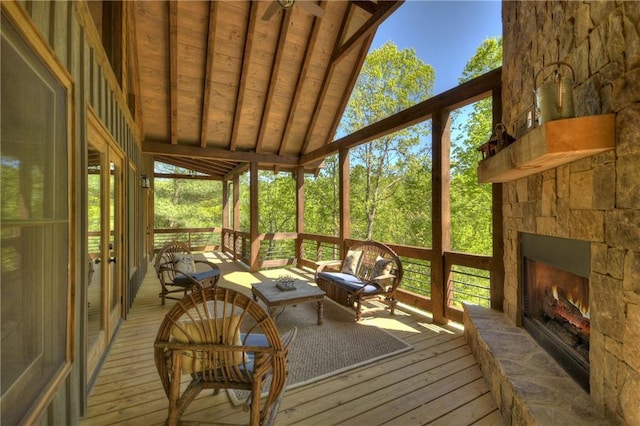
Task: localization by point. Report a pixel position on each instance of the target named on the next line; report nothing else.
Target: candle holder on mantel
(285, 283)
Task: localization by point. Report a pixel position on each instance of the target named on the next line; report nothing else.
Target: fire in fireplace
(555, 303)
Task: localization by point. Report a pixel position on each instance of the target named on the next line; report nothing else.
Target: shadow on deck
(438, 382)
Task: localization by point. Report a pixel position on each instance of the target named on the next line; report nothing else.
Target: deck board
(438, 382)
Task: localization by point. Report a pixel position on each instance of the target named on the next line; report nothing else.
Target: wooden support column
(497, 268)
(225, 213)
(254, 255)
(299, 210)
(236, 213)
(441, 226)
(345, 195)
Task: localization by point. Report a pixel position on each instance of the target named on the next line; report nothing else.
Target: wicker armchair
(179, 272)
(369, 270)
(224, 340)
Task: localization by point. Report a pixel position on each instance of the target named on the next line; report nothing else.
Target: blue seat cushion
(348, 282)
(198, 276)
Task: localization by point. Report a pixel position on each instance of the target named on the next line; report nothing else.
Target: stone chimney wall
(596, 199)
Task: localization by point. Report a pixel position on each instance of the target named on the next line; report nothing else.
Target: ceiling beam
(244, 73)
(465, 94)
(173, 70)
(368, 6)
(325, 83)
(159, 148)
(135, 72)
(285, 25)
(302, 76)
(362, 55)
(383, 11)
(208, 71)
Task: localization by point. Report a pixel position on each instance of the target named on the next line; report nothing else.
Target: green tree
(390, 81)
(471, 202)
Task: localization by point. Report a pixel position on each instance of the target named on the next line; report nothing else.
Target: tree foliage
(390, 81)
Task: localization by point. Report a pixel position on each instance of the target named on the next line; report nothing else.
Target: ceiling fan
(310, 6)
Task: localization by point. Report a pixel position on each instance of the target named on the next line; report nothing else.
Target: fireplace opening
(555, 302)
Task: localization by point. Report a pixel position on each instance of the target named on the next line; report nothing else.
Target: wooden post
(236, 212)
(225, 213)
(345, 209)
(497, 268)
(299, 210)
(254, 254)
(441, 232)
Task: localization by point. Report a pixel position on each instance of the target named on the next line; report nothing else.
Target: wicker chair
(224, 340)
(179, 272)
(370, 270)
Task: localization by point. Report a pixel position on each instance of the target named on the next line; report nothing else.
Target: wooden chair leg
(358, 310)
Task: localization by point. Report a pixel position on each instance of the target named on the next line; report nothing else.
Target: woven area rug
(338, 345)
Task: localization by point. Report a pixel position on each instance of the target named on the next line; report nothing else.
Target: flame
(584, 310)
(579, 304)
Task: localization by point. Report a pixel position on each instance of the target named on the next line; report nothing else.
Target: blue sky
(444, 34)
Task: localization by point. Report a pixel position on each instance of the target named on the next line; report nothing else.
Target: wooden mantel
(550, 145)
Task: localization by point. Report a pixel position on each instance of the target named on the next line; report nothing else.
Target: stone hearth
(527, 384)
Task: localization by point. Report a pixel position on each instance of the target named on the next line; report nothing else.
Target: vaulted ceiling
(224, 83)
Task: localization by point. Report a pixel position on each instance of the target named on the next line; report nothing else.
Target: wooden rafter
(244, 73)
(382, 12)
(325, 84)
(304, 69)
(135, 78)
(159, 148)
(208, 71)
(285, 25)
(355, 72)
(173, 70)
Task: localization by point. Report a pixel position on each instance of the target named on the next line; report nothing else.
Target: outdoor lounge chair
(223, 340)
(179, 272)
(369, 270)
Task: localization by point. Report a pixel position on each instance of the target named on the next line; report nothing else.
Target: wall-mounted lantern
(145, 182)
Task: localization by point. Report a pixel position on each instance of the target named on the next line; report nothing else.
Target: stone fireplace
(555, 300)
(594, 200)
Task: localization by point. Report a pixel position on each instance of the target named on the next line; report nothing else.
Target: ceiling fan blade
(271, 10)
(311, 7)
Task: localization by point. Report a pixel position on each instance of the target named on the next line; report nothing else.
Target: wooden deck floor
(438, 382)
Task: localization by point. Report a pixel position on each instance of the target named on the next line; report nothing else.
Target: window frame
(41, 51)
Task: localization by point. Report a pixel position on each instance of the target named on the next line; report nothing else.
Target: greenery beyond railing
(469, 278)
(199, 239)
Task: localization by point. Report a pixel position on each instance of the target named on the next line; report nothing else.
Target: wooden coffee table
(273, 297)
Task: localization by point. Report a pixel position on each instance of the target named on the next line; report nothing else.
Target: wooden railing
(468, 275)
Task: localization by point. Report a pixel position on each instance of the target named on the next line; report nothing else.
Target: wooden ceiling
(220, 86)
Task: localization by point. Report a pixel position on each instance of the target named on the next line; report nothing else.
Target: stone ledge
(529, 387)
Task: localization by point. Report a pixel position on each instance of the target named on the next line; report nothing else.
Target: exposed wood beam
(383, 11)
(244, 73)
(181, 176)
(369, 6)
(159, 148)
(135, 78)
(285, 25)
(465, 94)
(173, 70)
(302, 76)
(325, 84)
(362, 55)
(208, 71)
(237, 171)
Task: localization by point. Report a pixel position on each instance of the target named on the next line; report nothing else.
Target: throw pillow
(221, 331)
(351, 262)
(382, 267)
(184, 263)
